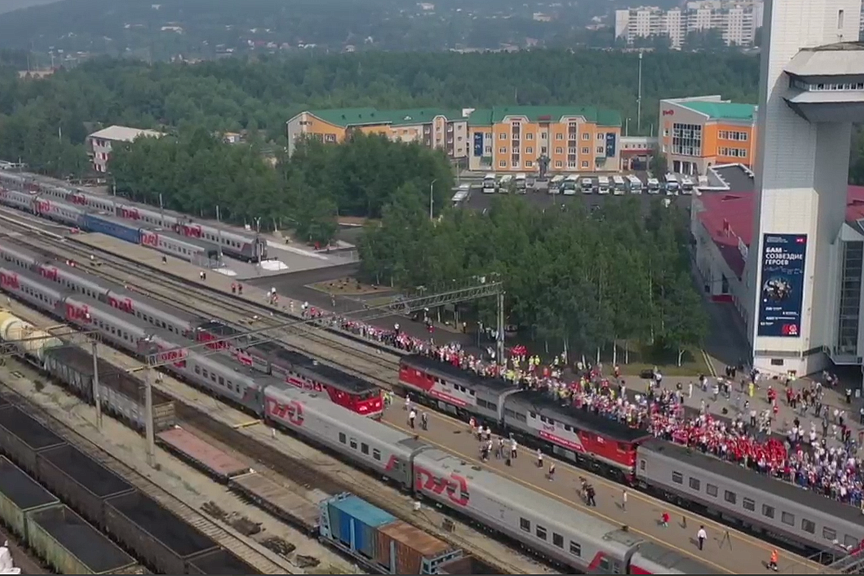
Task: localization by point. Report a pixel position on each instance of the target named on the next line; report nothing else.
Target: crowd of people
(827, 463)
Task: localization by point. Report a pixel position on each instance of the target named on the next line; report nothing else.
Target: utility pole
(500, 344)
(97, 399)
(148, 417)
(431, 198)
(639, 98)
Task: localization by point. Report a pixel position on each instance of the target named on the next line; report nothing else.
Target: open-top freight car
(22, 438)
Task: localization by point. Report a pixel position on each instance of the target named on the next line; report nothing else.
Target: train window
(493, 407)
(558, 540)
(642, 465)
(604, 564)
(787, 518)
(221, 381)
(353, 443)
(525, 525)
(541, 532)
(711, 490)
(695, 484)
(749, 504)
(850, 541)
(808, 526)
(829, 533)
(364, 448)
(575, 548)
(533, 414)
(767, 511)
(205, 374)
(376, 454)
(509, 412)
(677, 478)
(730, 497)
(342, 437)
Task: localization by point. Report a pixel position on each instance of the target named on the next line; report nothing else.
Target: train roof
(761, 482)
(673, 559)
(512, 494)
(181, 239)
(548, 406)
(445, 370)
(335, 377)
(13, 244)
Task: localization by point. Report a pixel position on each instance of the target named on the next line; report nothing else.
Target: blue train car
(110, 226)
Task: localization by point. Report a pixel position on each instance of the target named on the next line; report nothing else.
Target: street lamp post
(431, 198)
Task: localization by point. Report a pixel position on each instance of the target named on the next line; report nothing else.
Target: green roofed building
(568, 139)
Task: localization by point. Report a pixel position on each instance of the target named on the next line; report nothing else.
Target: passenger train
(567, 536)
(801, 518)
(292, 367)
(22, 189)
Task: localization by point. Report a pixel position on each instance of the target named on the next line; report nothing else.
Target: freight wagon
(80, 481)
(53, 531)
(19, 496)
(219, 562)
(214, 462)
(141, 524)
(121, 394)
(378, 541)
(278, 500)
(72, 546)
(22, 438)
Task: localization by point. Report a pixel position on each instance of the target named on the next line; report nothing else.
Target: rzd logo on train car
(124, 304)
(129, 213)
(175, 356)
(42, 206)
(9, 280)
(79, 313)
(291, 412)
(149, 239)
(50, 273)
(456, 485)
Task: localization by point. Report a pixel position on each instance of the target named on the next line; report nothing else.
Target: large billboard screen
(478, 144)
(610, 144)
(782, 289)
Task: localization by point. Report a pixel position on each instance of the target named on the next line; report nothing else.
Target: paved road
(740, 554)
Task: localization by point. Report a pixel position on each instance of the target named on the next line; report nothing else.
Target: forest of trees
(581, 279)
(194, 172)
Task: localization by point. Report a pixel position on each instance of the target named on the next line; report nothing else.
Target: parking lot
(476, 200)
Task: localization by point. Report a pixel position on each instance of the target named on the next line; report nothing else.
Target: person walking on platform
(424, 420)
(539, 458)
(701, 536)
(411, 416)
(514, 449)
(551, 475)
(499, 449)
(772, 565)
(664, 520)
(624, 499)
(590, 494)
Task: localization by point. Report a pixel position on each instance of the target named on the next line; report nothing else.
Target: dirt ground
(348, 286)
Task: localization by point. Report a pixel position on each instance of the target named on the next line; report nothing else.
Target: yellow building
(432, 127)
(573, 139)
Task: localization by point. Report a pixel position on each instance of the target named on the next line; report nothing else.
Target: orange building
(447, 130)
(571, 138)
(699, 132)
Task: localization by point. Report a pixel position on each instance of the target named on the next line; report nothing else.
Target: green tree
(659, 164)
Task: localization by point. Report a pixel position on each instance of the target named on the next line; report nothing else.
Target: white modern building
(799, 236)
(737, 21)
(99, 143)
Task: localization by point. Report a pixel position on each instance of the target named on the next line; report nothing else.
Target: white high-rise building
(737, 21)
(803, 275)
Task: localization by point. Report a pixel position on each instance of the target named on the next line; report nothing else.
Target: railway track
(368, 361)
(243, 550)
(180, 293)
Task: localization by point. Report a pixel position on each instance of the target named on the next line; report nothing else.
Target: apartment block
(519, 138)
(737, 21)
(703, 131)
(100, 144)
(447, 130)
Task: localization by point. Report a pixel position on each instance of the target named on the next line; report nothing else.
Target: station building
(702, 131)
(572, 139)
(447, 130)
(100, 144)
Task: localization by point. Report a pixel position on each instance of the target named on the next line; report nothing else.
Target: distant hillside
(10, 5)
